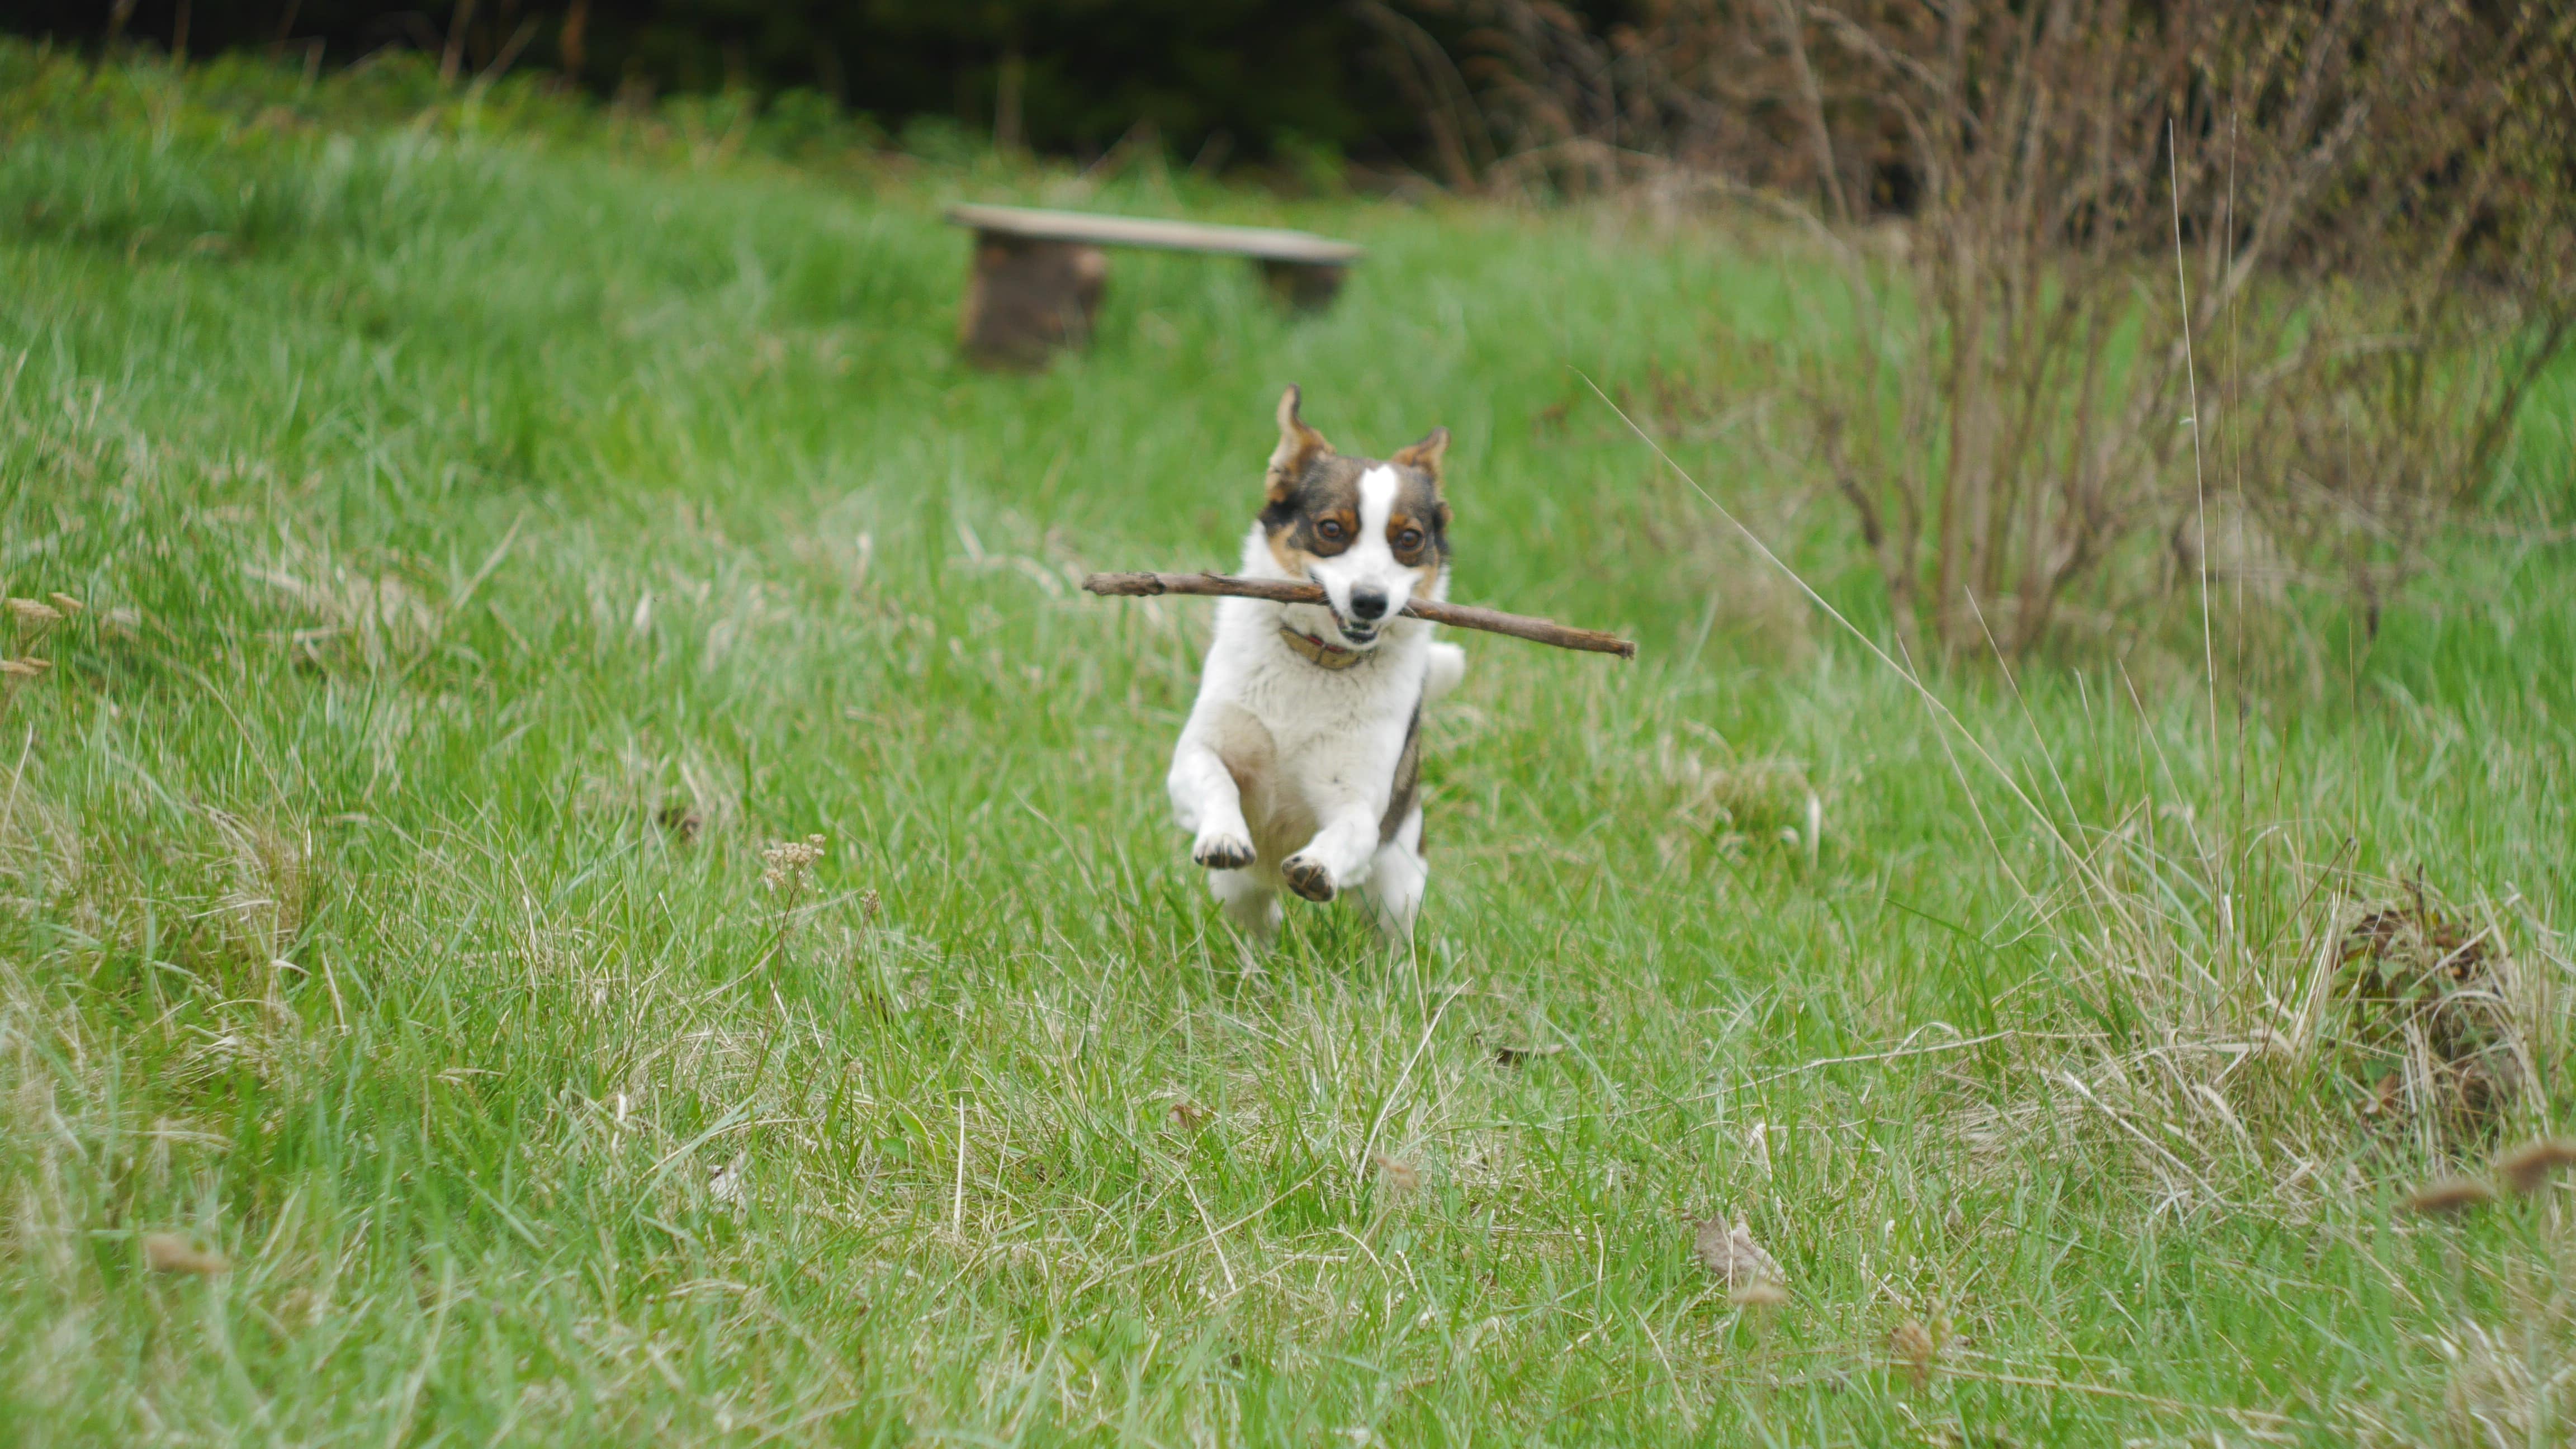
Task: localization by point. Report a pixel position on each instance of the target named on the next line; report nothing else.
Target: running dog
(1301, 763)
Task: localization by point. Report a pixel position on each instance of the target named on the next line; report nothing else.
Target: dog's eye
(1409, 540)
(1331, 528)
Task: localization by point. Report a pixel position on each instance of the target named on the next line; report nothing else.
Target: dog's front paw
(1222, 852)
(1307, 877)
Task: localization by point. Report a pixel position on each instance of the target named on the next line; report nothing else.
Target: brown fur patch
(1316, 513)
(1299, 446)
(1408, 781)
(1424, 457)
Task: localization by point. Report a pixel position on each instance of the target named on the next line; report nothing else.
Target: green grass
(499, 527)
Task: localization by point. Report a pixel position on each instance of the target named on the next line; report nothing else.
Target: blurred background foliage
(2032, 209)
(1217, 80)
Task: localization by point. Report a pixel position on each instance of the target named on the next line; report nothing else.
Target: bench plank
(1269, 244)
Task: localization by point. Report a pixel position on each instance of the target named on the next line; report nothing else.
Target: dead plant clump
(40, 845)
(2450, 1195)
(361, 622)
(2507, 1380)
(684, 792)
(1913, 1347)
(2180, 285)
(269, 896)
(2429, 1027)
(2527, 1169)
(28, 623)
(1736, 802)
(2504, 1380)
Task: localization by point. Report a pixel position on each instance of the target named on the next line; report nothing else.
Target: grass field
(495, 535)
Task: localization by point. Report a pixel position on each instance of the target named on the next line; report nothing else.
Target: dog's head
(1374, 534)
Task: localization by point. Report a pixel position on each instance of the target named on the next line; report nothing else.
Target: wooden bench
(1038, 275)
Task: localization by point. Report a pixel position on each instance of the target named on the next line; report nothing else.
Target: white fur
(1291, 764)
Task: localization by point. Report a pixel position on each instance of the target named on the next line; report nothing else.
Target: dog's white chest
(1287, 730)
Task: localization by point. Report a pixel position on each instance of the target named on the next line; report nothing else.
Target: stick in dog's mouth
(1462, 616)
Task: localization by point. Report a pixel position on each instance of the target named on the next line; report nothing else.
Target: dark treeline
(1219, 79)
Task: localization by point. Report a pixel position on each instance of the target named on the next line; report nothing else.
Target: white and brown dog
(1301, 763)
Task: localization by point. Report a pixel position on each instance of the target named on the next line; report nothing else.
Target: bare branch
(1460, 616)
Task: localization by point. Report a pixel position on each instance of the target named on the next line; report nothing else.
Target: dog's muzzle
(1360, 627)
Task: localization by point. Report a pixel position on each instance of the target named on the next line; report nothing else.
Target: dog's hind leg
(1250, 905)
(1398, 876)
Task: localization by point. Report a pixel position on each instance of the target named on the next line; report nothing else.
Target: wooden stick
(1461, 616)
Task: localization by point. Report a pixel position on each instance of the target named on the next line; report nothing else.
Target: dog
(1301, 765)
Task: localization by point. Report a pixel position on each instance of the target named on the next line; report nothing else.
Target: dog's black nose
(1367, 604)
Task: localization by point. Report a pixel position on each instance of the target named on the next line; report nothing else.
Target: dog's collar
(1318, 653)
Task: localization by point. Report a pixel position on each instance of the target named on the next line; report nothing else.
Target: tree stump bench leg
(1304, 286)
(1025, 298)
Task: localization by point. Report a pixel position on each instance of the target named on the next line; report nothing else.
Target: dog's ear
(1299, 445)
(1424, 455)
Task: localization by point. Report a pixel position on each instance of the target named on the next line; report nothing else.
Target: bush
(2361, 212)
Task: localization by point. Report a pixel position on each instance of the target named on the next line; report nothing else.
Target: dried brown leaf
(681, 822)
(1399, 1177)
(171, 1253)
(1728, 1250)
